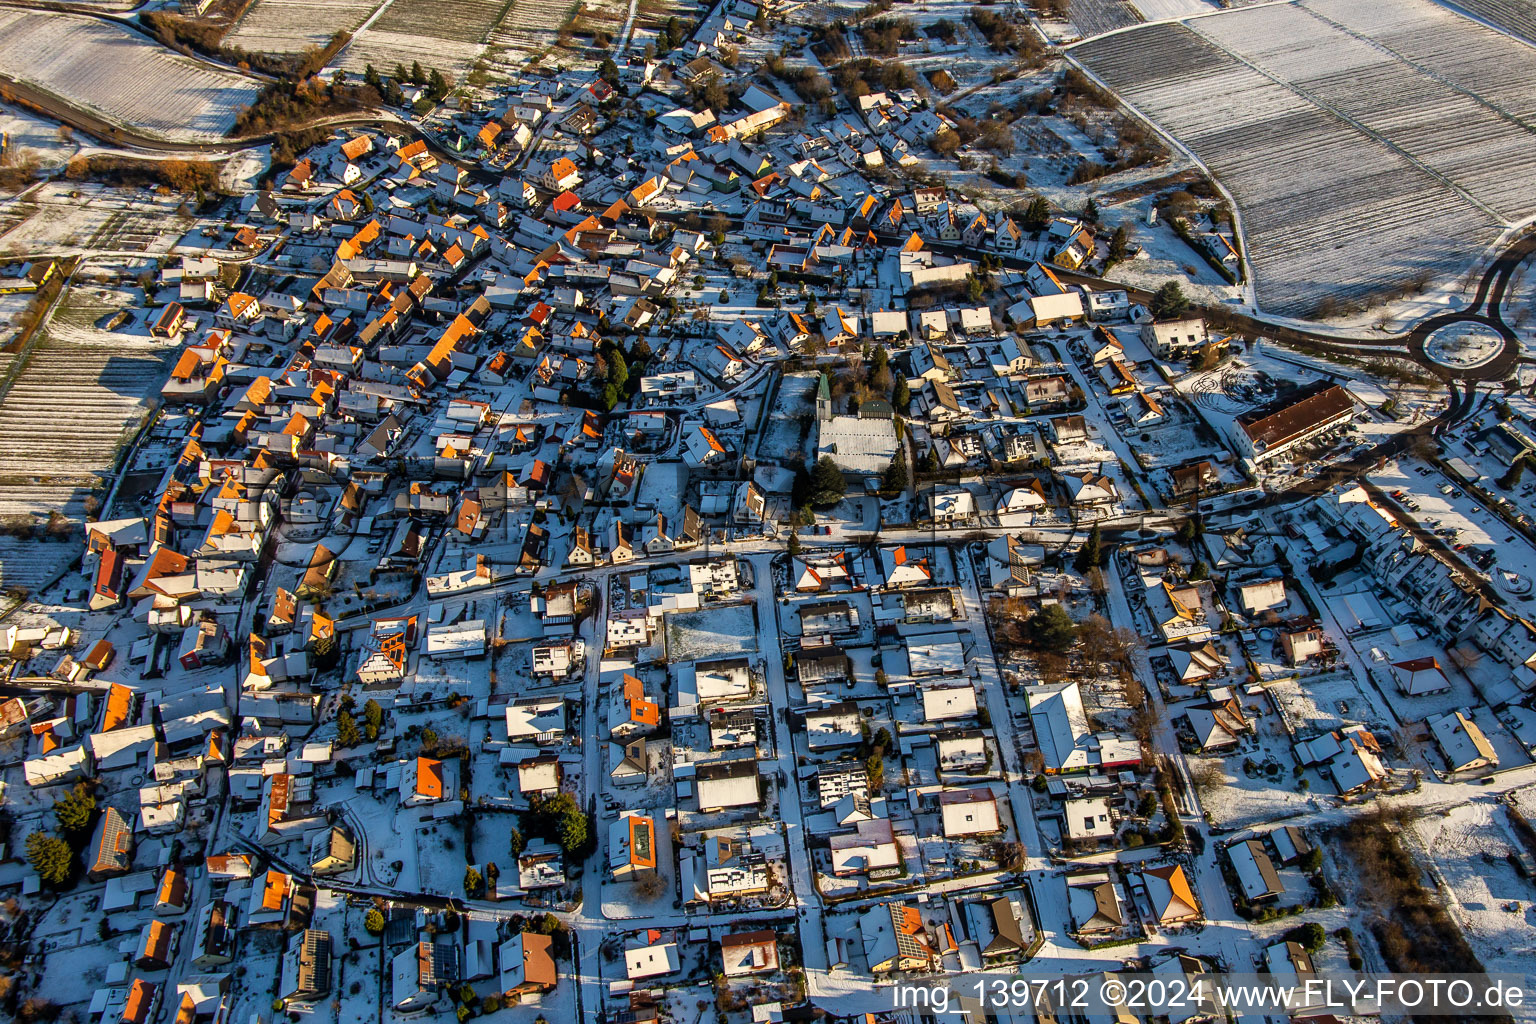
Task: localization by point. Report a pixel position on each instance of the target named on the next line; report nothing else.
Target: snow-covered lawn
(713, 632)
(1234, 797)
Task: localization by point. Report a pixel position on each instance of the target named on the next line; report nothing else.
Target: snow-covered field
(66, 215)
(529, 28)
(1327, 121)
(448, 35)
(290, 26)
(1156, 10)
(1491, 902)
(1094, 17)
(1517, 16)
(121, 76)
(65, 413)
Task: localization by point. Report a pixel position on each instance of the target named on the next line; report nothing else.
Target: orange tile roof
(140, 995)
(642, 841)
(429, 778)
(119, 706)
(538, 961)
(641, 710)
(274, 890)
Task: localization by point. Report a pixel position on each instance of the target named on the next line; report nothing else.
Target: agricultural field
(61, 216)
(1095, 17)
(1517, 16)
(121, 76)
(1321, 50)
(291, 26)
(449, 36)
(1326, 121)
(68, 403)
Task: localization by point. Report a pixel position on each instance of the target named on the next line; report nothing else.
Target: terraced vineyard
(291, 26)
(121, 76)
(1368, 143)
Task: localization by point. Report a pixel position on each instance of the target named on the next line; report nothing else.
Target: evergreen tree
(573, 830)
(1120, 244)
(896, 473)
(1052, 629)
(1037, 215)
(373, 921)
(618, 367)
(373, 717)
(371, 76)
(1091, 212)
(327, 652)
(793, 544)
(827, 483)
(1170, 302)
(75, 810)
(50, 857)
(901, 395)
(1511, 479)
(418, 77)
(515, 842)
(1091, 554)
(347, 733)
(875, 767)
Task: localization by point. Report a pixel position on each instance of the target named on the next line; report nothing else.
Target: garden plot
(1248, 789)
(83, 215)
(291, 26)
(1329, 211)
(788, 424)
(121, 76)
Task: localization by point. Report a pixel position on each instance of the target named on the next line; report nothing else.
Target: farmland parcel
(1368, 143)
(291, 26)
(121, 76)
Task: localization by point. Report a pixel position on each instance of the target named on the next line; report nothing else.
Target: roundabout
(1463, 345)
(1467, 346)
